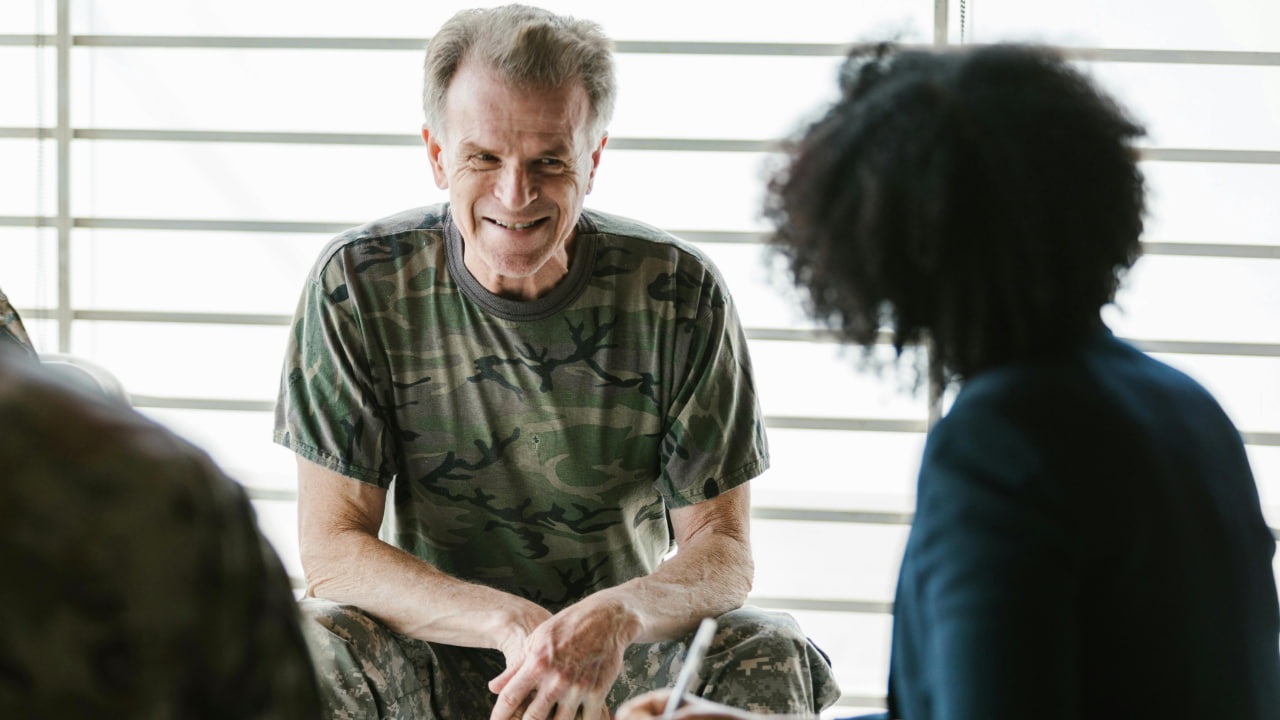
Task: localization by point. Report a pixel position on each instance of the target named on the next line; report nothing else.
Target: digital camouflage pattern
(135, 581)
(759, 661)
(535, 446)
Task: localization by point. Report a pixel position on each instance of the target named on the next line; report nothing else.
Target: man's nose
(515, 188)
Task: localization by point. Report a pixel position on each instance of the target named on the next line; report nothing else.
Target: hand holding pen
(664, 704)
(673, 703)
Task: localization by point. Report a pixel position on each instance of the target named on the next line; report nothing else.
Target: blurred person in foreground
(136, 581)
(1088, 541)
(543, 397)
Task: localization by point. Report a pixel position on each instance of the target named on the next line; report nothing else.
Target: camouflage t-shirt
(535, 446)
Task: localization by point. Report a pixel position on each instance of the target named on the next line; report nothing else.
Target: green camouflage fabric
(135, 581)
(12, 332)
(534, 446)
(759, 661)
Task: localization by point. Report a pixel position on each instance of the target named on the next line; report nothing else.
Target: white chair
(85, 374)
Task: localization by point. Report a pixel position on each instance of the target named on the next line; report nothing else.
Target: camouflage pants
(759, 661)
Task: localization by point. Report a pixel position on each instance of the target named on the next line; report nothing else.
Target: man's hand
(567, 665)
(651, 705)
(519, 622)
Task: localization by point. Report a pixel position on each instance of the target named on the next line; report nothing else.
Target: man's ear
(595, 161)
(434, 152)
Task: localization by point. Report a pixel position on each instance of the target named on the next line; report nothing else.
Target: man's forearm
(411, 596)
(709, 575)
(338, 522)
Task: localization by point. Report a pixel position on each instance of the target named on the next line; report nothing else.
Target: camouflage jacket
(135, 583)
(535, 446)
(12, 332)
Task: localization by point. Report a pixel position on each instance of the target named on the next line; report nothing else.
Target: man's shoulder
(626, 229)
(660, 250)
(428, 218)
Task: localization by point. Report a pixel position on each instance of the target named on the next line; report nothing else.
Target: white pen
(692, 661)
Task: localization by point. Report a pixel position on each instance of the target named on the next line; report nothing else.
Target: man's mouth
(516, 225)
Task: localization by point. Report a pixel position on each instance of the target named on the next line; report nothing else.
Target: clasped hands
(561, 667)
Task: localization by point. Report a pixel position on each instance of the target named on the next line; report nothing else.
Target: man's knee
(761, 630)
(362, 668)
(325, 622)
(764, 662)
(343, 632)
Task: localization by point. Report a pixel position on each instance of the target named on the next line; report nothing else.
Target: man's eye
(550, 163)
(484, 159)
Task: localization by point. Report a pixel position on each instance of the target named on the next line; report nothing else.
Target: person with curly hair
(1088, 540)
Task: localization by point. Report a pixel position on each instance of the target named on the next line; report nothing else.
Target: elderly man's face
(518, 164)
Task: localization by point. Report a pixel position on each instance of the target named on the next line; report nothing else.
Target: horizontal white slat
(1129, 55)
(666, 144)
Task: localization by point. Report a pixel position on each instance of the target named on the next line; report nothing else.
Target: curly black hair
(983, 202)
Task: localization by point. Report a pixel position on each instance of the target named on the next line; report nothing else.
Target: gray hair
(530, 48)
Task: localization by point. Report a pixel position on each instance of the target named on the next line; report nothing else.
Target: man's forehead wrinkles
(550, 126)
(526, 143)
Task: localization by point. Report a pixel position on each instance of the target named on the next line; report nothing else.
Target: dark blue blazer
(1088, 543)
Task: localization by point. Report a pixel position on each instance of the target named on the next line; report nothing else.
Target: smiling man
(518, 164)
(550, 399)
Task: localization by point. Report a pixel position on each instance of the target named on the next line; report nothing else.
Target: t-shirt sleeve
(327, 410)
(715, 439)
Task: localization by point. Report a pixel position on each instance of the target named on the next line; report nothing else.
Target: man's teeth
(517, 226)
